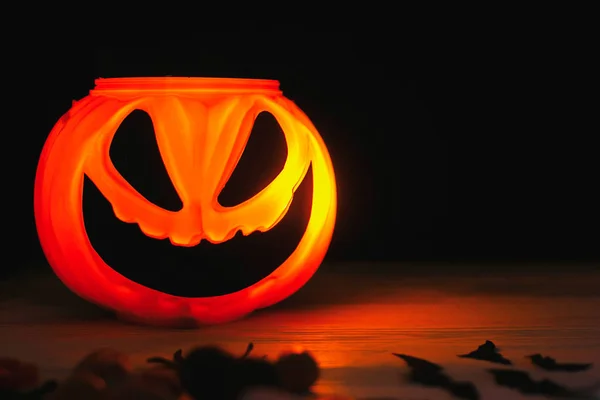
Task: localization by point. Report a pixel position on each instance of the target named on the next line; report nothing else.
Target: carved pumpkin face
(202, 126)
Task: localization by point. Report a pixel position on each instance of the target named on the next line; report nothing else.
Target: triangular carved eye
(135, 154)
(262, 160)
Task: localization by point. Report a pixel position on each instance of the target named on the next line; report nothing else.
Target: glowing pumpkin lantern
(202, 126)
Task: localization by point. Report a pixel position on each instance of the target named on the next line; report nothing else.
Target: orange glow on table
(202, 126)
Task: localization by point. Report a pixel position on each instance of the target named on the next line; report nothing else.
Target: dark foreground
(351, 323)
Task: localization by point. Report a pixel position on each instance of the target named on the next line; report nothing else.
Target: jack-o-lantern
(202, 126)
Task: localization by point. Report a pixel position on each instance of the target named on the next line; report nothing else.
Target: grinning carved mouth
(205, 269)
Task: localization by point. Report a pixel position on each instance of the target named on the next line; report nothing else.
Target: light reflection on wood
(352, 338)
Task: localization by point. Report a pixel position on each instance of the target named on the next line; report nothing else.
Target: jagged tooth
(190, 243)
(123, 216)
(196, 240)
(247, 231)
(148, 231)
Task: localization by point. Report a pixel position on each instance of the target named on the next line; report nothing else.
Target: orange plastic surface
(202, 126)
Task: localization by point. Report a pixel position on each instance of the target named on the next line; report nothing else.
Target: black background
(474, 152)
